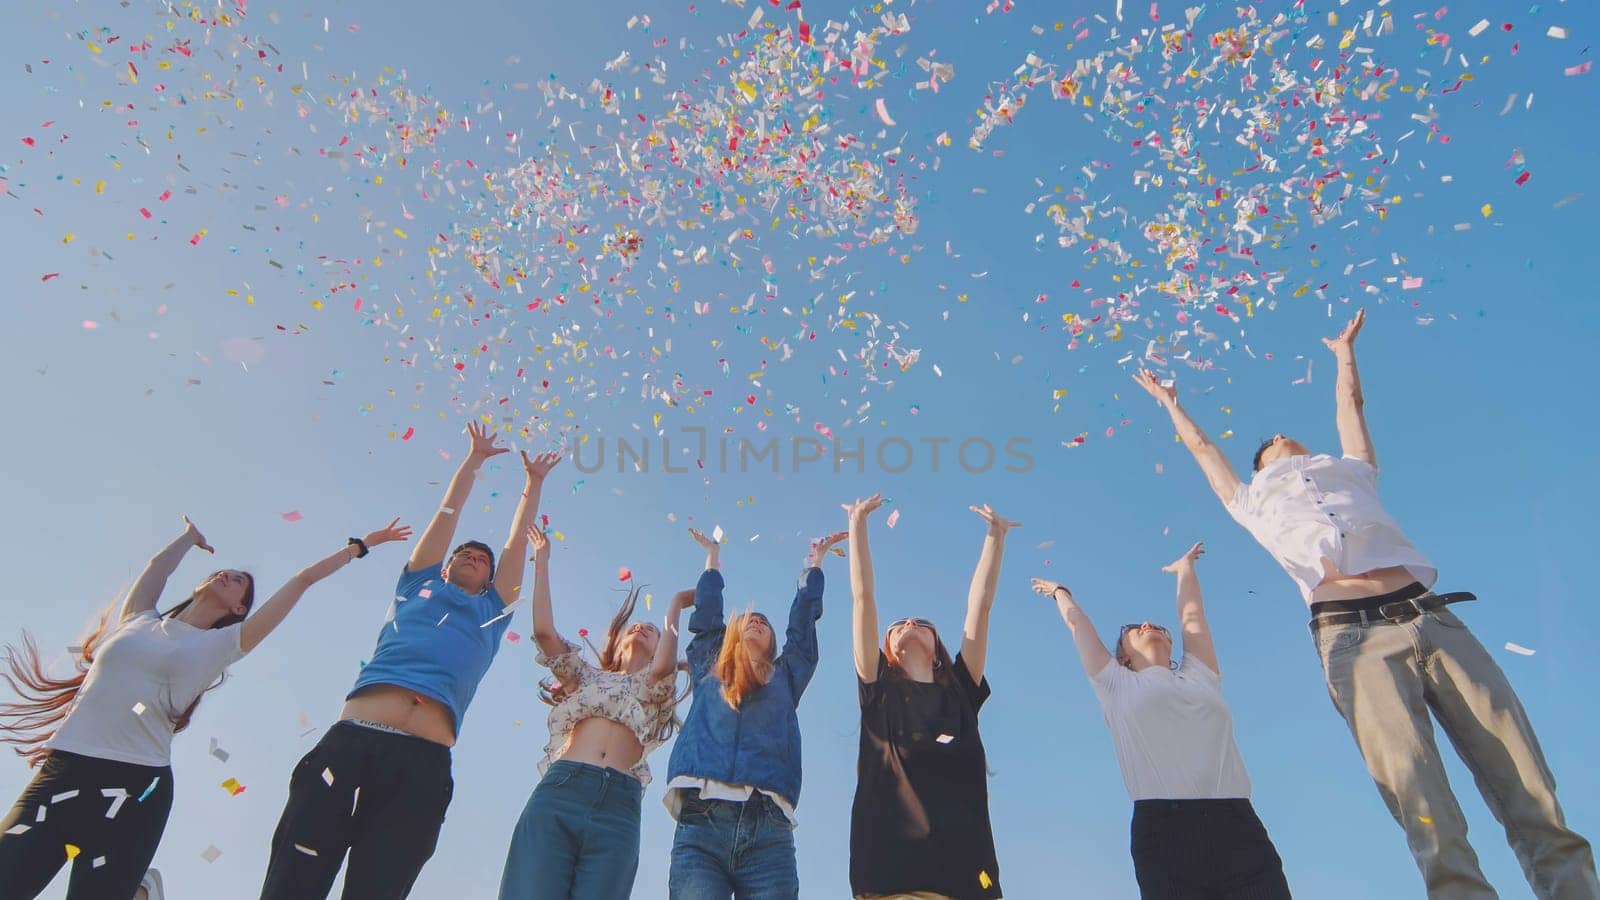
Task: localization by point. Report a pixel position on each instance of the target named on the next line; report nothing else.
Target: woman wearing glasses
(919, 827)
(1195, 834)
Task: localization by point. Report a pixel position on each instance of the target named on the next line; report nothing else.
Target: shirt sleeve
(657, 693)
(1107, 682)
(976, 692)
(1239, 505)
(1367, 469)
(868, 692)
(223, 647)
(410, 581)
(569, 666)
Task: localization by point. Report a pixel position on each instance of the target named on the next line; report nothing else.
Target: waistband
(1210, 804)
(389, 735)
(564, 770)
(100, 764)
(1357, 604)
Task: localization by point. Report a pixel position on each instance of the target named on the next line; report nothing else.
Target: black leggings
(1204, 850)
(389, 830)
(106, 816)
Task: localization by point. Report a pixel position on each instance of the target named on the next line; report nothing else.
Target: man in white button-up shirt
(1391, 650)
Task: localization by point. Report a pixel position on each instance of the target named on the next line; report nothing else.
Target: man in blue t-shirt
(393, 738)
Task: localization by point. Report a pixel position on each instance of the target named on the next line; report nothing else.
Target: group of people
(372, 794)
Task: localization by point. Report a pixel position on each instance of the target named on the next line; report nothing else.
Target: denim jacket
(757, 744)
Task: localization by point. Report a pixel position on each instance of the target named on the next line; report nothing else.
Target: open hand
(482, 442)
(821, 546)
(193, 534)
(1346, 341)
(858, 511)
(998, 524)
(1049, 588)
(1163, 393)
(706, 543)
(394, 531)
(1187, 560)
(537, 467)
(540, 543)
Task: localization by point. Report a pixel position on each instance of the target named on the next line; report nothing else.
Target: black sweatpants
(1204, 850)
(379, 796)
(88, 810)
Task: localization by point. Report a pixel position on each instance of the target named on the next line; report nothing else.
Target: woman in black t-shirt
(919, 827)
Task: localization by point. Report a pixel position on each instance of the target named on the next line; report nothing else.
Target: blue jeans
(578, 837)
(727, 849)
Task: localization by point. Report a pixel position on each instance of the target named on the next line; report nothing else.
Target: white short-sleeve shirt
(142, 679)
(1172, 732)
(1304, 509)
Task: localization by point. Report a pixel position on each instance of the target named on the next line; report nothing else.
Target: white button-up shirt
(1307, 509)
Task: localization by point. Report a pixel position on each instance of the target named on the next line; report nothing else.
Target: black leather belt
(1382, 609)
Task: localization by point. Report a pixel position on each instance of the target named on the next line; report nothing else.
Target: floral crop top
(629, 700)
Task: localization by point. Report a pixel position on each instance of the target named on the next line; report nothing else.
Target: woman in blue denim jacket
(735, 770)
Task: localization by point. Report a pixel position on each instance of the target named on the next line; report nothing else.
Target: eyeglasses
(920, 623)
(1138, 625)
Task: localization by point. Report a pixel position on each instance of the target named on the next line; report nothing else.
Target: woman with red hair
(919, 827)
(735, 769)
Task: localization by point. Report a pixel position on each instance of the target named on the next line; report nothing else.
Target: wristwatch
(360, 545)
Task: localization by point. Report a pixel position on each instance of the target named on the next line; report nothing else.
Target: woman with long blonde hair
(735, 770)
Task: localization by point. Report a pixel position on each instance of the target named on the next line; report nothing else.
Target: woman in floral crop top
(579, 834)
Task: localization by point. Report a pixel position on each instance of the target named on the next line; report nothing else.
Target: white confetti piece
(327, 775)
(306, 850)
(945, 738)
(41, 814)
(138, 709)
(210, 853)
(1518, 648)
(1557, 32)
(18, 829)
(448, 510)
(716, 534)
(97, 862)
(1479, 28)
(217, 751)
(64, 795)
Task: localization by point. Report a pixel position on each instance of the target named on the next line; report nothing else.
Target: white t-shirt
(1172, 732)
(1312, 512)
(143, 677)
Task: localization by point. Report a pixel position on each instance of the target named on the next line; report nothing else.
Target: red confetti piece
(408, 434)
(49, 275)
(624, 573)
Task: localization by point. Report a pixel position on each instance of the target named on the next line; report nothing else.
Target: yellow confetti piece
(1487, 210)
(69, 238)
(73, 851)
(1424, 820)
(985, 880)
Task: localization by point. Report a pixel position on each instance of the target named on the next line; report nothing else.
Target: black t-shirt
(920, 821)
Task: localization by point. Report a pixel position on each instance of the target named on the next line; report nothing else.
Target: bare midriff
(604, 743)
(404, 709)
(1338, 586)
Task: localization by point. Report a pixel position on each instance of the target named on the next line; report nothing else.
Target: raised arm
(152, 581)
(544, 624)
(980, 594)
(271, 614)
(1219, 472)
(1350, 406)
(1191, 612)
(1091, 649)
(441, 530)
(706, 623)
(799, 657)
(508, 581)
(664, 665)
(864, 605)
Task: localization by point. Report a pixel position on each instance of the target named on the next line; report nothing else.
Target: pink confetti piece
(883, 112)
(513, 637)
(292, 515)
(1411, 283)
(90, 324)
(894, 517)
(1579, 69)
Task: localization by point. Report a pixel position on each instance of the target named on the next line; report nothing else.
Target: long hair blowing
(740, 671)
(31, 721)
(943, 668)
(552, 693)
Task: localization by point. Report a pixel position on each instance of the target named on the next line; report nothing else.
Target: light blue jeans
(729, 849)
(578, 837)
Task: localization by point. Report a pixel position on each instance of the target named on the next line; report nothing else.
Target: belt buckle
(1415, 612)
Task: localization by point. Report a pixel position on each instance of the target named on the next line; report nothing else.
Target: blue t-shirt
(438, 640)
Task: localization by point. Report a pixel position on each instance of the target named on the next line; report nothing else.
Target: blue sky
(1482, 418)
